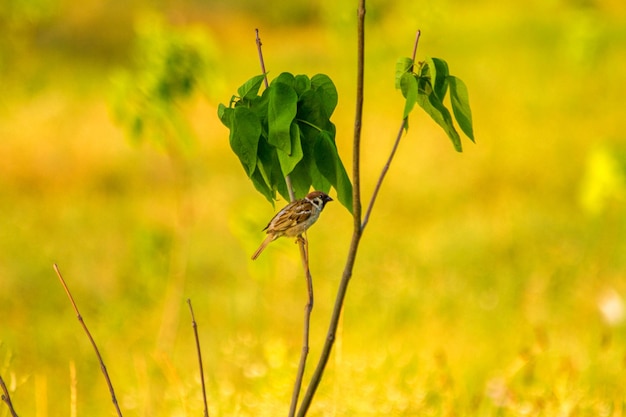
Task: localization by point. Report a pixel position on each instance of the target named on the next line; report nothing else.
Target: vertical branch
(358, 119)
(195, 333)
(7, 398)
(93, 343)
(356, 213)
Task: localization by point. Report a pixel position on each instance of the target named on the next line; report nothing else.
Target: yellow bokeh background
(490, 282)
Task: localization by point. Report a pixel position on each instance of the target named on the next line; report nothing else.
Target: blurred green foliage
(489, 283)
(170, 65)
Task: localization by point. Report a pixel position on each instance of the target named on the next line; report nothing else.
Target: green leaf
(244, 137)
(309, 139)
(301, 84)
(287, 161)
(441, 115)
(250, 88)
(261, 185)
(460, 106)
(285, 78)
(328, 93)
(300, 180)
(403, 66)
(311, 111)
(408, 85)
(439, 76)
(225, 114)
(282, 109)
(329, 164)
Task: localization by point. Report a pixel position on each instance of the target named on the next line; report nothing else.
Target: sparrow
(294, 219)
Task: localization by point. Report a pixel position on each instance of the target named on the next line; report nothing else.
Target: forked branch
(7, 398)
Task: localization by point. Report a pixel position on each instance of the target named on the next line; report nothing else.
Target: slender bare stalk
(93, 343)
(7, 398)
(385, 169)
(356, 214)
(308, 308)
(304, 255)
(195, 333)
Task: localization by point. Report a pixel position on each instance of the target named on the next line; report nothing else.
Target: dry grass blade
(93, 343)
(195, 333)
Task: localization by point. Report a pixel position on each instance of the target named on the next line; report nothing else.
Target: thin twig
(383, 173)
(6, 397)
(261, 60)
(304, 255)
(356, 214)
(308, 308)
(93, 343)
(195, 333)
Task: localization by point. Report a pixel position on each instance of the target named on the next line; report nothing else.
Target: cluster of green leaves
(170, 65)
(286, 131)
(428, 86)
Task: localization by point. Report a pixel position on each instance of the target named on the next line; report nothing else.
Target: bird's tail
(264, 244)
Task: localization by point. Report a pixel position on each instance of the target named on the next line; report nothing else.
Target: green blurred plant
(170, 67)
(286, 132)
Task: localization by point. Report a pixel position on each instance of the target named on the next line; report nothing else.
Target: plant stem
(304, 255)
(356, 214)
(308, 308)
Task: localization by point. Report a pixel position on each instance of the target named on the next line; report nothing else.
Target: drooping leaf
(309, 138)
(250, 88)
(244, 137)
(261, 185)
(300, 180)
(441, 115)
(225, 114)
(282, 109)
(460, 106)
(329, 96)
(329, 164)
(439, 76)
(403, 66)
(408, 87)
(289, 161)
(326, 157)
(311, 110)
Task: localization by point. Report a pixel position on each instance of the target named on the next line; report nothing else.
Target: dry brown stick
(304, 255)
(308, 308)
(6, 397)
(356, 215)
(93, 343)
(195, 333)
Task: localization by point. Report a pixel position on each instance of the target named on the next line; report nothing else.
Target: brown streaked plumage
(294, 219)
